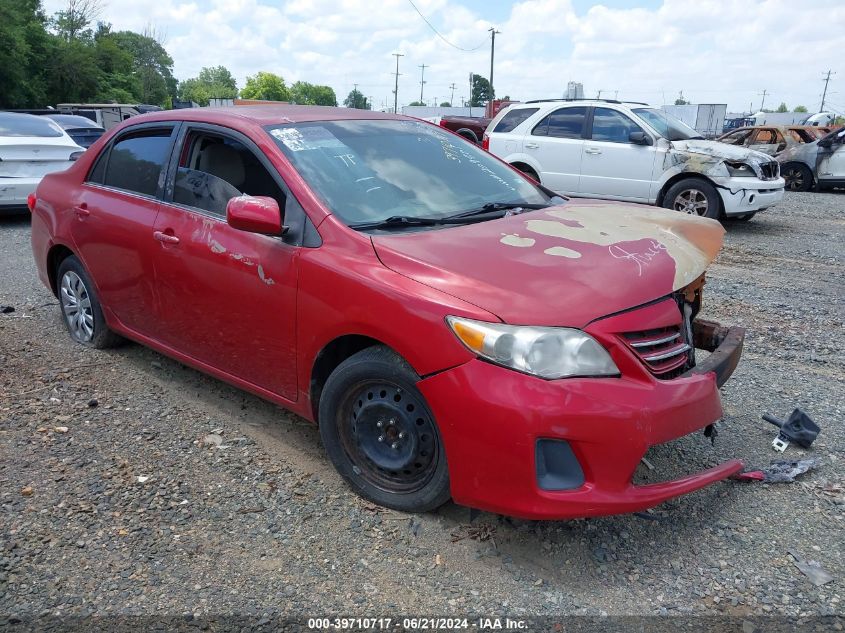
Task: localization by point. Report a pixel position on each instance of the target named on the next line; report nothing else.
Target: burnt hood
(561, 266)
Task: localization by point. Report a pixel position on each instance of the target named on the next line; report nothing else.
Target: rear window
(513, 118)
(136, 161)
(12, 124)
(563, 123)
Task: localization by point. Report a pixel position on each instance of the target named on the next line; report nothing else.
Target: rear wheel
(525, 169)
(380, 434)
(81, 309)
(798, 177)
(695, 197)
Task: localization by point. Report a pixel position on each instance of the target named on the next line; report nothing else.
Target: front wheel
(81, 309)
(380, 434)
(695, 197)
(798, 177)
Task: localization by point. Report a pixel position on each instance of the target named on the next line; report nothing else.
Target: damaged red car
(456, 330)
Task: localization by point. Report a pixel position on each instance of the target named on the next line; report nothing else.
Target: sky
(715, 51)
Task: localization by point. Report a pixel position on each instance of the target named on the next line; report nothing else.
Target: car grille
(770, 170)
(664, 351)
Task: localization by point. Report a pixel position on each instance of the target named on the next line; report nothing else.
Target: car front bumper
(747, 195)
(494, 422)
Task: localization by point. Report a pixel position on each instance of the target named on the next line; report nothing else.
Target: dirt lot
(112, 502)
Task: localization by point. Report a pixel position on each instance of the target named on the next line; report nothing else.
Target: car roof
(266, 114)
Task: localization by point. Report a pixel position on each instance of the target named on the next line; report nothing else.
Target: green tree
(680, 101)
(152, 66)
(782, 107)
(357, 100)
(212, 83)
(800, 108)
(25, 48)
(71, 22)
(445, 104)
(305, 93)
(118, 82)
(266, 85)
(481, 91)
(416, 103)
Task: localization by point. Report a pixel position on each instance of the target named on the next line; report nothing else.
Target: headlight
(740, 170)
(547, 352)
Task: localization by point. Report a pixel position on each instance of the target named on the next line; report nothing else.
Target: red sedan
(455, 329)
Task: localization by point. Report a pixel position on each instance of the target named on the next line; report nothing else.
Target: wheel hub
(384, 435)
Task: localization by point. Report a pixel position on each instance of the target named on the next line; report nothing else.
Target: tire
(694, 196)
(81, 310)
(798, 177)
(525, 169)
(746, 217)
(372, 395)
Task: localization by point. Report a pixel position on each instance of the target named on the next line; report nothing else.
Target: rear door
(229, 296)
(556, 144)
(115, 210)
(612, 166)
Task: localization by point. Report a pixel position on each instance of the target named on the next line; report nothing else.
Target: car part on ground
(799, 428)
(302, 254)
(631, 152)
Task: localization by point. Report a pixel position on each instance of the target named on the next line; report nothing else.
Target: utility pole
(470, 93)
(452, 98)
(493, 33)
(598, 96)
(422, 82)
(396, 84)
(824, 94)
(763, 100)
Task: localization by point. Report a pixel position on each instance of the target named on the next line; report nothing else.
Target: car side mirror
(255, 214)
(827, 142)
(639, 138)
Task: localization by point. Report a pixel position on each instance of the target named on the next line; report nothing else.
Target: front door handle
(164, 237)
(593, 150)
(531, 146)
(82, 211)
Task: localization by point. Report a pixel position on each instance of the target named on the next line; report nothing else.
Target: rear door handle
(593, 150)
(531, 146)
(164, 237)
(82, 211)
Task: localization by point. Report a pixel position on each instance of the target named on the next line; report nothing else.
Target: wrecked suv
(632, 152)
(455, 329)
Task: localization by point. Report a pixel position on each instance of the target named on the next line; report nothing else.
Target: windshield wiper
(492, 207)
(395, 221)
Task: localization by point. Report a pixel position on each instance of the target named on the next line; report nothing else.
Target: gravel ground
(116, 501)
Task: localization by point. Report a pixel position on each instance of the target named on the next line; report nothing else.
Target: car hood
(566, 265)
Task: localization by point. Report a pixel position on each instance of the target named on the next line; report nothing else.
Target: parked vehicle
(820, 163)
(632, 152)
(455, 329)
(106, 115)
(82, 130)
(30, 147)
(773, 139)
(737, 122)
(470, 127)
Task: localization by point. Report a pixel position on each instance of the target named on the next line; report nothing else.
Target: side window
(563, 123)
(736, 138)
(213, 169)
(136, 160)
(765, 137)
(513, 118)
(612, 126)
(98, 171)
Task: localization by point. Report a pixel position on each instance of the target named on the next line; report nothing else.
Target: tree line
(71, 57)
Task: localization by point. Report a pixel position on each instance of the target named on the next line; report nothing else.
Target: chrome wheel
(76, 306)
(691, 201)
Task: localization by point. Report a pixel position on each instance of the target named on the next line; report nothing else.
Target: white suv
(632, 152)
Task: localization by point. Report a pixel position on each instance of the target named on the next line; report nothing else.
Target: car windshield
(13, 124)
(668, 126)
(371, 170)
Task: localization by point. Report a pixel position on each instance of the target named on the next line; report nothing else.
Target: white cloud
(716, 51)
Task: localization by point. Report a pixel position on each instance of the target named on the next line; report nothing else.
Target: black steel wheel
(381, 435)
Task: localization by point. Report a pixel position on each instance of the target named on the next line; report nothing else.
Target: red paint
(252, 310)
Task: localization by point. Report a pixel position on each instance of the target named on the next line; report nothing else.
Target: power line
(431, 26)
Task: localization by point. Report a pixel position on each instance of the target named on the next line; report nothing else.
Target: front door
(112, 230)
(612, 166)
(229, 297)
(831, 160)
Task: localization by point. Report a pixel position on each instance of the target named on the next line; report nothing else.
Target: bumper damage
(493, 432)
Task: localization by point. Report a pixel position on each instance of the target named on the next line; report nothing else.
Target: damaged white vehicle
(632, 152)
(820, 163)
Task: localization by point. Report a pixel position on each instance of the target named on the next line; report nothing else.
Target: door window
(136, 160)
(766, 137)
(735, 138)
(612, 126)
(563, 123)
(214, 168)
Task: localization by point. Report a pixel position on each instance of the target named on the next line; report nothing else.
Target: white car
(820, 163)
(30, 148)
(632, 152)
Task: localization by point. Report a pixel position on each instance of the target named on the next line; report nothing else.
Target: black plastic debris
(6, 309)
(798, 428)
(779, 472)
